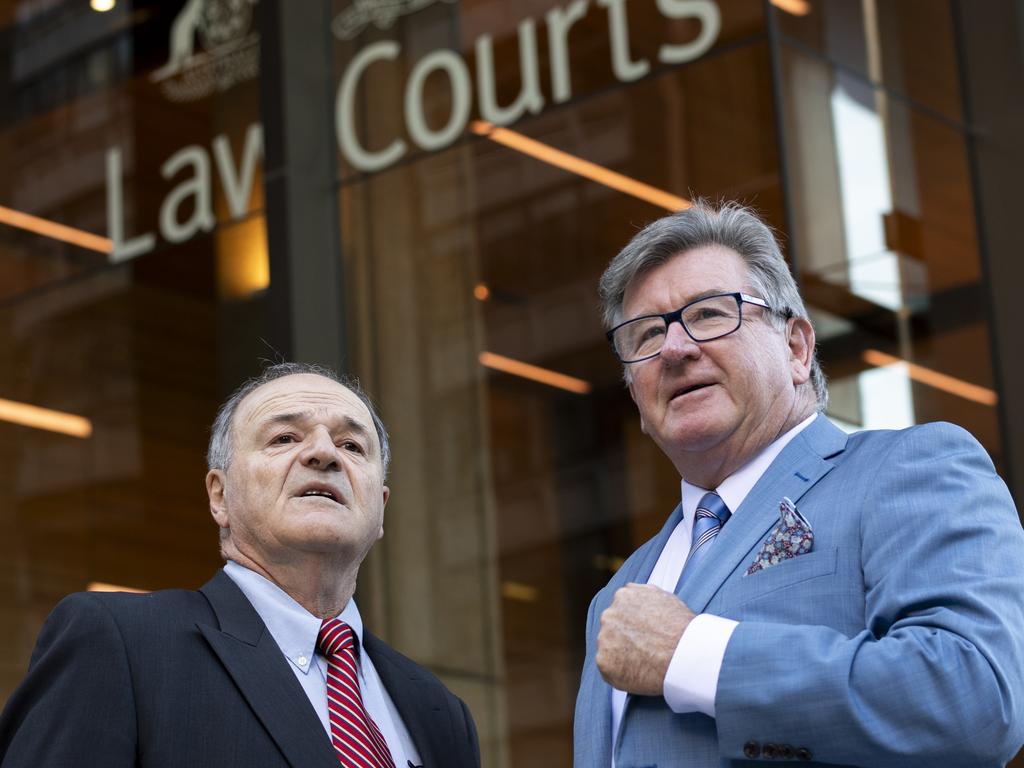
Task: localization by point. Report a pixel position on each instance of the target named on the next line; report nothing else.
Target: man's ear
(387, 495)
(632, 394)
(801, 349)
(215, 490)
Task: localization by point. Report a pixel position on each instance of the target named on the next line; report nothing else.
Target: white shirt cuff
(692, 678)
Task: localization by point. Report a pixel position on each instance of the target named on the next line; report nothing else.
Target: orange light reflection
(580, 167)
(534, 373)
(935, 379)
(44, 418)
(794, 7)
(102, 586)
(62, 232)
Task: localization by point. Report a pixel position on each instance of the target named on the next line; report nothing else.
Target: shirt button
(302, 661)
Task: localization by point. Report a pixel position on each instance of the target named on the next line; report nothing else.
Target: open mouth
(689, 389)
(327, 494)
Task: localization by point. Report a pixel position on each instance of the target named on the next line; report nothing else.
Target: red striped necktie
(356, 738)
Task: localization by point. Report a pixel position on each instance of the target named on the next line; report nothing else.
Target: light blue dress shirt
(295, 630)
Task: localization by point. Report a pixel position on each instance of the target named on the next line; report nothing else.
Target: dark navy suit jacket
(181, 678)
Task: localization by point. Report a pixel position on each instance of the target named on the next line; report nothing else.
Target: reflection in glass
(885, 242)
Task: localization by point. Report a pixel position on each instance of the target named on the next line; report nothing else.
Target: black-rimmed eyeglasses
(705, 319)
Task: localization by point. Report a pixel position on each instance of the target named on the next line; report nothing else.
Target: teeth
(326, 494)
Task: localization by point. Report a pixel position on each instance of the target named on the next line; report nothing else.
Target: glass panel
(888, 255)
(414, 81)
(521, 478)
(138, 125)
(907, 46)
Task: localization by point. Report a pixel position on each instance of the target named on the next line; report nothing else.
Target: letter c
(344, 117)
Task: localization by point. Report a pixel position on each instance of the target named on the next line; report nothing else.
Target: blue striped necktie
(711, 515)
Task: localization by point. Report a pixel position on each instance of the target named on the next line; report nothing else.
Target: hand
(639, 634)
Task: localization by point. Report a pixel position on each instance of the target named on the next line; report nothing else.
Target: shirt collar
(735, 487)
(293, 628)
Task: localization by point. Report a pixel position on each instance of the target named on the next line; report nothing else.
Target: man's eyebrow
(709, 292)
(357, 426)
(351, 422)
(283, 418)
(695, 297)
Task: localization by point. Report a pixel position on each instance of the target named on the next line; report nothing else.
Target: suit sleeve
(76, 705)
(474, 740)
(935, 678)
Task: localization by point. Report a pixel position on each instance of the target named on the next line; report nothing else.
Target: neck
(321, 585)
(709, 468)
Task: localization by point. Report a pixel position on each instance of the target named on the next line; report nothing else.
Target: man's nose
(678, 345)
(320, 451)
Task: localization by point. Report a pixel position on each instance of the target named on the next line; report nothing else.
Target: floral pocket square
(792, 536)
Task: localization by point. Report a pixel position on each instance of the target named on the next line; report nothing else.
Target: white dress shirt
(295, 631)
(692, 678)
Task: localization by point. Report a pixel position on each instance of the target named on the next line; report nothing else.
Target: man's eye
(284, 439)
(349, 445)
(653, 332)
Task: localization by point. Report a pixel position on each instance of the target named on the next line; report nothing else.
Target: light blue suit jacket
(897, 641)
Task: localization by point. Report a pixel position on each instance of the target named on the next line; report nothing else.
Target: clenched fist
(639, 633)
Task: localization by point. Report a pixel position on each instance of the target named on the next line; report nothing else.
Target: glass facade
(429, 191)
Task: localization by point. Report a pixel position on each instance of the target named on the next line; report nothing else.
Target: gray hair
(218, 454)
(732, 226)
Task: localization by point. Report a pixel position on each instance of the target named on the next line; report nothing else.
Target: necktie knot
(711, 505)
(712, 513)
(336, 637)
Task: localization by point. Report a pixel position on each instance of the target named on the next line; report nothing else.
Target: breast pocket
(789, 573)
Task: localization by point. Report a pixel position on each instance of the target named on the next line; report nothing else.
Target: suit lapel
(420, 702)
(598, 692)
(256, 664)
(801, 464)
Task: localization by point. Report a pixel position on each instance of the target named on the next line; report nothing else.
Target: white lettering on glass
(197, 187)
(624, 67)
(710, 25)
(238, 184)
(344, 111)
(529, 98)
(123, 249)
(416, 121)
(178, 221)
(560, 21)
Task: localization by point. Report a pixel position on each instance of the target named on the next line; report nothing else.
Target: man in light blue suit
(816, 597)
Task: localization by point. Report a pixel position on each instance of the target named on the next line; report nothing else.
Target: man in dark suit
(268, 663)
(816, 597)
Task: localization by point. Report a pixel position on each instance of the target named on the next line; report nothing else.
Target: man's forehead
(692, 274)
(301, 393)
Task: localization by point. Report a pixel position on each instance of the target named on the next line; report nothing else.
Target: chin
(693, 436)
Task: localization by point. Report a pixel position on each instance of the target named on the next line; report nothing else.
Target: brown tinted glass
(885, 240)
(111, 129)
(906, 46)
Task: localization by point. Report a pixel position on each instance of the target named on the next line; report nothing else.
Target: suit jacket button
(752, 749)
(785, 752)
(803, 753)
(771, 751)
